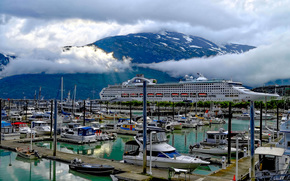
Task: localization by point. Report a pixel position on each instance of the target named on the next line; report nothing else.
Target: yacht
(83, 134)
(23, 128)
(163, 154)
(188, 89)
(41, 127)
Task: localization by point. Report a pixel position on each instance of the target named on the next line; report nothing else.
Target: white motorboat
(100, 135)
(41, 127)
(163, 154)
(22, 128)
(83, 134)
(186, 123)
(218, 150)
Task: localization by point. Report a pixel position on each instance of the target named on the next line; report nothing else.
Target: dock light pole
(173, 110)
(277, 119)
(152, 132)
(84, 112)
(237, 158)
(229, 132)
(158, 111)
(51, 117)
(130, 106)
(55, 123)
(252, 129)
(144, 128)
(261, 121)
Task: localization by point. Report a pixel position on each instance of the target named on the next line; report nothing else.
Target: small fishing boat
(27, 154)
(273, 165)
(94, 169)
(126, 126)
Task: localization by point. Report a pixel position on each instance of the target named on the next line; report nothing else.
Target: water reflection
(106, 149)
(24, 169)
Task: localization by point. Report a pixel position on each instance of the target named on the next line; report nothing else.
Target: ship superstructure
(190, 89)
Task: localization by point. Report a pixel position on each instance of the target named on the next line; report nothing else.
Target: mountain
(4, 60)
(158, 47)
(88, 85)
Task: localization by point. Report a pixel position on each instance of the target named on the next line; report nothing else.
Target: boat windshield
(170, 154)
(159, 137)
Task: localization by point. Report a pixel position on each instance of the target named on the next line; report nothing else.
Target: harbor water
(113, 150)
(14, 168)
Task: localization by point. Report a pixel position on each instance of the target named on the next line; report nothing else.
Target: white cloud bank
(254, 68)
(76, 60)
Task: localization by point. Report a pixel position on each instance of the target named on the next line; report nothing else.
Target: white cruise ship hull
(189, 90)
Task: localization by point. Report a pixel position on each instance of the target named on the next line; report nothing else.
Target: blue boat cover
(5, 124)
(86, 131)
(64, 113)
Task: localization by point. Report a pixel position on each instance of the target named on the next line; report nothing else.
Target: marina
(111, 153)
(184, 140)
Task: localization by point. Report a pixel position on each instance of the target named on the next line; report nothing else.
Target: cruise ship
(188, 89)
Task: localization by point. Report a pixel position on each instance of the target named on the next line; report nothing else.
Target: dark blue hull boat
(93, 169)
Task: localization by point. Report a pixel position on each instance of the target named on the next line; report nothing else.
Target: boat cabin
(86, 131)
(8, 132)
(216, 137)
(39, 123)
(285, 141)
(272, 164)
(73, 126)
(18, 125)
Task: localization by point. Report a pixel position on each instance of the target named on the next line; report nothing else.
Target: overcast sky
(36, 31)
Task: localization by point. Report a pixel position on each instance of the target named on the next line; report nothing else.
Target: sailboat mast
(74, 99)
(61, 93)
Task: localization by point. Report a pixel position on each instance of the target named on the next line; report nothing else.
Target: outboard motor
(36, 154)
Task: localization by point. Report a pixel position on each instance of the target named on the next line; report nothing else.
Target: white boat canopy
(274, 151)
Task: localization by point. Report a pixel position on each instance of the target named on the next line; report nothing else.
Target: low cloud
(76, 60)
(254, 68)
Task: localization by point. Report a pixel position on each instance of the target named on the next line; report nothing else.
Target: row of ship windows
(171, 95)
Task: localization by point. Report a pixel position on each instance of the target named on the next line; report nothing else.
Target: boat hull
(85, 139)
(213, 151)
(158, 162)
(93, 169)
